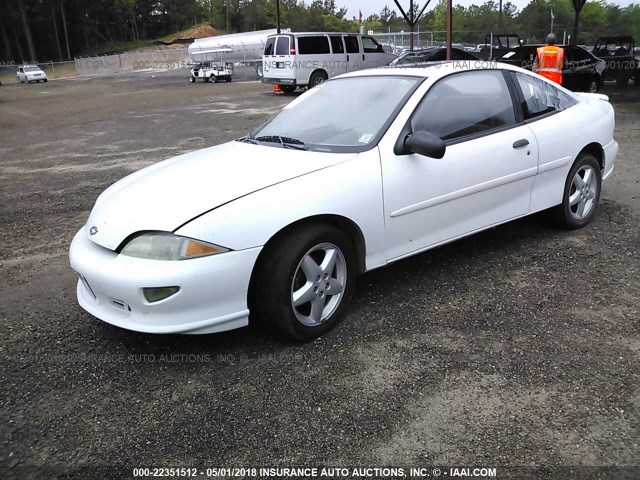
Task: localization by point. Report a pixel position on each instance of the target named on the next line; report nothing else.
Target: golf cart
(210, 65)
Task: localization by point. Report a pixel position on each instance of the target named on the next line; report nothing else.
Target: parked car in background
(620, 59)
(278, 224)
(582, 71)
(430, 54)
(31, 73)
(294, 60)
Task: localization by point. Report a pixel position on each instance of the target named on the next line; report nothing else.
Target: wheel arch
(340, 222)
(321, 71)
(596, 150)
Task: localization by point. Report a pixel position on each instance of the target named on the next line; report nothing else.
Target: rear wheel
(317, 78)
(192, 79)
(304, 281)
(45, 80)
(259, 70)
(288, 88)
(228, 78)
(581, 194)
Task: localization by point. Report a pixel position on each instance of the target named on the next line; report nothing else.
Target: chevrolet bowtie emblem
(93, 230)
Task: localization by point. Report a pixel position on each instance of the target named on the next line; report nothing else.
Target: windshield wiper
(286, 142)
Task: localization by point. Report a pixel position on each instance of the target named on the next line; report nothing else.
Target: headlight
(167, 246)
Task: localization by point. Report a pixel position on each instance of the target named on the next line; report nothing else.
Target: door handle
(347, 58)
(363, 57)
(523, 142)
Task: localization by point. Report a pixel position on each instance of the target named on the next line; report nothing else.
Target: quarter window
(313, 45)
(465, 104)
(541, 97)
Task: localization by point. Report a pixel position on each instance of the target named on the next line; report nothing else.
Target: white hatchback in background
(294, 60)
(31, 73)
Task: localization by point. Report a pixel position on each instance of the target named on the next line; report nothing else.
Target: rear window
(282, 46)
(313, 45)
(270, 46)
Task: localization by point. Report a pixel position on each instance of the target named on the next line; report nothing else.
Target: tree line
(32, 30)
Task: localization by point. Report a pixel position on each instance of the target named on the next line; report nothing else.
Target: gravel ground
(518, 346)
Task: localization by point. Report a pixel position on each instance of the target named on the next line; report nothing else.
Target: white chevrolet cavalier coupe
(358, 172)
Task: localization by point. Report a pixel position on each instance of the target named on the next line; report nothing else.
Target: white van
(294, 60)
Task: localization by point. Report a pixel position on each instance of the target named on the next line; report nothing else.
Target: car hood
(169, 194)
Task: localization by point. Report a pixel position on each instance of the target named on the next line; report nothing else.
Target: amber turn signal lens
(196, 249)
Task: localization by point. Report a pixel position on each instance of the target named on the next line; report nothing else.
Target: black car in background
(430, 54)
(582, 71)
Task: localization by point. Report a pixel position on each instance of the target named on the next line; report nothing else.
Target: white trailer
(246, 47)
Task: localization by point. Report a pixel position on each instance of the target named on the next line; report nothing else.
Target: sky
(374, 6)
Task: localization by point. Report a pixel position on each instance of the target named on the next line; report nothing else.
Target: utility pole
(277, 16)
(411, 18)
(449, 28)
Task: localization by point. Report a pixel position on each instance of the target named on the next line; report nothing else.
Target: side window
(282, 46)
(270, 46)
(313, 45)
(541, 97)
(351, 41)
(370, 45)
(465, 104)
(336, 44)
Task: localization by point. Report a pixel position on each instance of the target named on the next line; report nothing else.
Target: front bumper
(212, 296)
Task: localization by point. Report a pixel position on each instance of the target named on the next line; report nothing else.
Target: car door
(579, 71)
(338, 55)
(354, 60)
(485, 177)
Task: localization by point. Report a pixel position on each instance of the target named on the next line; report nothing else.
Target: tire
(192, 79)
(317, 78)
(593, 86)
(228, 78)
(259, 70)
(292, 266)
(45, 80)
(288, 88)
(622, 79)
(580, 198)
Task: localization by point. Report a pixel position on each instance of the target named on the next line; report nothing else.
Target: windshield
(31, 69)
(346, 114)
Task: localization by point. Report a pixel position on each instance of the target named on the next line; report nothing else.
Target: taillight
(292, 50)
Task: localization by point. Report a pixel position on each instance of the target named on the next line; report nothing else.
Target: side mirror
(425, 143)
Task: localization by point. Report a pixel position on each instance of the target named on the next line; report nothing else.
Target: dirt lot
(518, 346)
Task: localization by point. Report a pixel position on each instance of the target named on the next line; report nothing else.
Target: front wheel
(192, 79)
(581, 194)
(304, 281)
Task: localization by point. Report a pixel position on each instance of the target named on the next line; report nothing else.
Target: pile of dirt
(182, 38)
(201, 30)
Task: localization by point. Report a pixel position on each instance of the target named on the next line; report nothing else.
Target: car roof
(440, 69)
